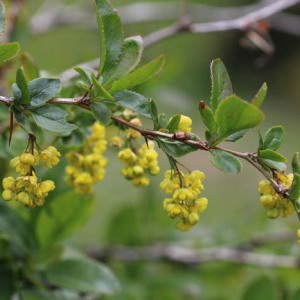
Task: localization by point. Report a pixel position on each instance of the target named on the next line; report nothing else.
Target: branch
(241, 23)
(183, 138)
(189, 256)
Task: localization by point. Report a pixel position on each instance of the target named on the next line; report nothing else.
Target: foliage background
(128, 216)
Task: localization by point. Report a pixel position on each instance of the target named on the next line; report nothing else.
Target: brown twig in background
(194, 257)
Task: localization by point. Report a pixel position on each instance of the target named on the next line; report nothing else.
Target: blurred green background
(125, 215)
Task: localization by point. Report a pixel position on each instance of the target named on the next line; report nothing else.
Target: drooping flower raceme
(86, 165)
(274, 203)
(26, 188)
(139, 163)
(184, 203)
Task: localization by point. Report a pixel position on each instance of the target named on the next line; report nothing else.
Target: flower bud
(7, 195)
(27, 159)
(273, 213)
(193, 218)
(8, 183)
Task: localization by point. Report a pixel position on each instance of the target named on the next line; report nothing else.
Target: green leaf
(43, 90)
(234, 114)
(261, 141)
(274, 138)
(225, 162)
(274, 164)
(296, 296)
(22, 85)
(86, 73)
(236, 136)
(21, 119)
(7, 282)
(16, 228)
(99, 91)
(175, 148)
(129, 58)
(64, 215)
(101, 112)
(111, 34)
(173, 123)
(260, 96)
(30, 68)
(261, 289)
(207, 117)
(221, 84)
(51, 118)
(162, 120)
(9, 51)
(154, 114)
(74, 141)
(82, 275)
(271, 155)
(138, 76)
(133, 101)
(295, 164)
(295, 187)
(2, 17)
(36, 295)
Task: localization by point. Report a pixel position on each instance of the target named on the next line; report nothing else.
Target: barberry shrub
(33, 263)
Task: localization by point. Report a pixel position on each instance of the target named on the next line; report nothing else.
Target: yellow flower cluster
(86, 167)
(184, 203)
(274, 203)
(184, 124)
(26, 188)
(140, 163)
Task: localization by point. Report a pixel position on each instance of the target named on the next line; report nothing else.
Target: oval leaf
(274, 138)
(295, 164)
(110, 32)
(221, 83)
(173, 123)
(82, 275)
(225, 162)
(260, 289)
(128, 60)
(234, 114)
(22, 85)
(260, 96)
(43, 90)
(99, 90)
(62, 216)
(271, 155)
(133, 101)
(30, 68)
(138, 76)
(8, 51)
(207, 117)
(175, 148)
(101, 112)
(51, 118)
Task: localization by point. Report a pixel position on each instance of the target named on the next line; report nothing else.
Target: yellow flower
(8, 183)
(20, 168)
(98, 132)
(83, 183)
(132, 134)
(8, 195)
(74, 158)
(127, 156)
(116, 142)
(27, 159)
(182, 225)
(140, 181)
(184, 124)
(50, 157)
(128, 114)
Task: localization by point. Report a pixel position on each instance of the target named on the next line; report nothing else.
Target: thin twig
(153, 134)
